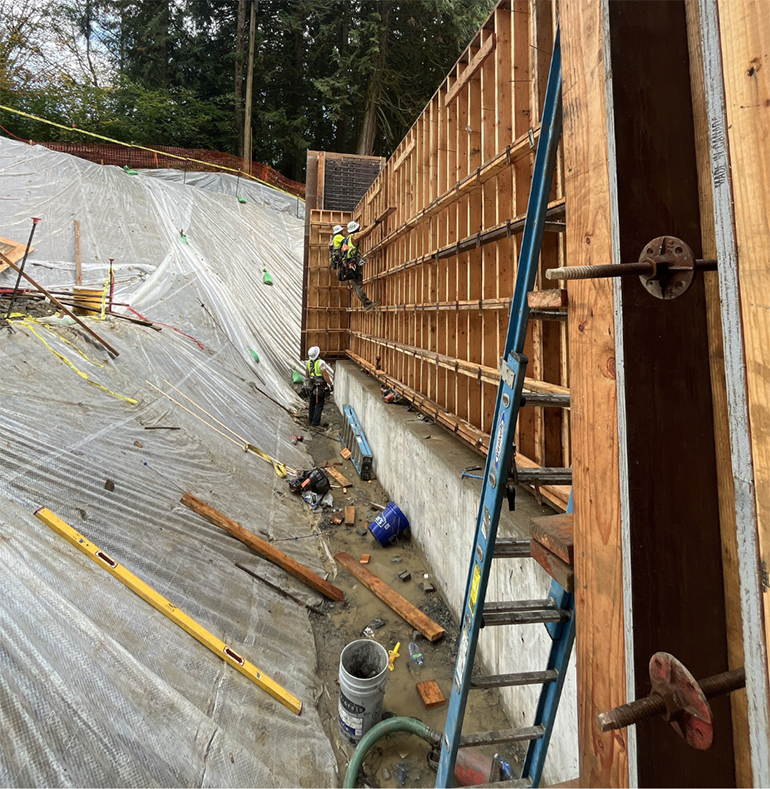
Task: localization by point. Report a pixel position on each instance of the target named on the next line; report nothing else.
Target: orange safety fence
(164, 156)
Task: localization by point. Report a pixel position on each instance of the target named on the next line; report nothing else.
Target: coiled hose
(389, 726)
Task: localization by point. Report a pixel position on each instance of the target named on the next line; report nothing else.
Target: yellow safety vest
(314, 370)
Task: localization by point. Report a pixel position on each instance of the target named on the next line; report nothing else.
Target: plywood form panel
(745, 34)
(676, 564)
(462, 171)
(726, 488)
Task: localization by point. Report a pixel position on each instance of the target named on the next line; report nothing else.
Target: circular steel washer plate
(662, 252)
(679, 689)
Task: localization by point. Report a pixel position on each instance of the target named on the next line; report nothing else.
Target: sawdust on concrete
(345, 622)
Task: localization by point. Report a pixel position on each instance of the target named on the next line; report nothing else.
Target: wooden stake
(64, 309)
(78, 260)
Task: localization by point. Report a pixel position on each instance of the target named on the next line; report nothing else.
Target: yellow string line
(279, 468)
(71, 365)
(64, 339)
(144, 148)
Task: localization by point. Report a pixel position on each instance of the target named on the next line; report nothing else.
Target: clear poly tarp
(229, 184)
(182, 255)
(97, 688)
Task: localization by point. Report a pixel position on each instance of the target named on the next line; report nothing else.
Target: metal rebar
(621, 270)
(641, 709)
(35, 220)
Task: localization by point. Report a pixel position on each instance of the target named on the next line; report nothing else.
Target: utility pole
(249, 82)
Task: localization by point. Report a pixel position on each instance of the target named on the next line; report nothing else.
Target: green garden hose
(389, 726)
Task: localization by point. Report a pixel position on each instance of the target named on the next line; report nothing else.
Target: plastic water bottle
(415, 654)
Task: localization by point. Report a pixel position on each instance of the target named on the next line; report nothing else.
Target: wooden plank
(551, 299)
(263, 548)
(484, 52)
(745, 35)
(753, 585)
(78, 258)
(416, 618)
(726, 488)
(403, 156)
(13, 251)
(558, 569)
(430, 693)
(350, 515)
(555, 532)
(338, 476)
(600, 641)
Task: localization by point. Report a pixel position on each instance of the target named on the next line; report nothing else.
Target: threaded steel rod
(620, 270)
(648, 707)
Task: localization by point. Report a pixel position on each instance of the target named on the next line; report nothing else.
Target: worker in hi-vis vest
(335, 247)
(319, 375)
(353, 262)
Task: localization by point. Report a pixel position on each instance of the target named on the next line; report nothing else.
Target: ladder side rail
(500, 450)
(563, 638)
(537, 204)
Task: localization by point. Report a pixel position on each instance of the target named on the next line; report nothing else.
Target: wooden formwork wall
(443, 263)
(327, 301)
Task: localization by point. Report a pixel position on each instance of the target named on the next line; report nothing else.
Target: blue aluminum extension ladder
(556, 612)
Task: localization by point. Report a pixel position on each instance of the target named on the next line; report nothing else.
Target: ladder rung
(515, 606)
(543, 476)
(522, 618)
(508, 548)
(547, 315)
(504, 735)
(545, 400)
(510, 680)
(522, 612)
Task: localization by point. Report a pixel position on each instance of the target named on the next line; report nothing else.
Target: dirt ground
(346, 621)
(37, 308)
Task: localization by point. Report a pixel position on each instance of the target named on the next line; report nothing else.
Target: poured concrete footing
(420, 465)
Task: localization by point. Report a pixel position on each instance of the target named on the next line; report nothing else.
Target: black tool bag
(314, 480)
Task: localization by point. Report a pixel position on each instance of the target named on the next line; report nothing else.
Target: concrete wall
(420, 464)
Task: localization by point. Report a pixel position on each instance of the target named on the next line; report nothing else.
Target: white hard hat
(337, 229)
(353, 226)
(314, 353)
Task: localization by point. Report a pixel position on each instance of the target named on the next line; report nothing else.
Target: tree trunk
(240, 37)
(342, 123)
(247, 147)
(369, 130)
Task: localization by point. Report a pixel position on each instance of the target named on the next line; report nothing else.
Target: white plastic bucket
(363, 674)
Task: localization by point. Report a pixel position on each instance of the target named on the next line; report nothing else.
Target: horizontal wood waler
(473, 181)
(469, 369)
(479, 441)
(488, 236)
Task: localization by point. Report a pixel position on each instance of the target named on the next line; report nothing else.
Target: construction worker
(353, 262)
(335, 246)
(320, 377)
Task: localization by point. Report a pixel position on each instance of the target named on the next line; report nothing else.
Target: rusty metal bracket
(666, 268)
(679, 698)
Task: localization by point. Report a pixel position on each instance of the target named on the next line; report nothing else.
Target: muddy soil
(36, 308)
(345, 622)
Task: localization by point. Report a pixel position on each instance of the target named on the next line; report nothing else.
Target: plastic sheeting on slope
(176, 247)
(229, 184)
(96, 687)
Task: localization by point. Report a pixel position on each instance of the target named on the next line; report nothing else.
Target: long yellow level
(166, 607)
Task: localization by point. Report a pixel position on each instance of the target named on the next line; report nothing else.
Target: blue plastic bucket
(388, 525)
